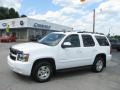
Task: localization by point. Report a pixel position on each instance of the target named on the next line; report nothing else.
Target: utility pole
(109, 32)
(93, 16)
(94, 20)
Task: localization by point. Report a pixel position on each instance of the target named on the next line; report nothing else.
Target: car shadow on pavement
(64, 74)
(71, 73)
(22, 78)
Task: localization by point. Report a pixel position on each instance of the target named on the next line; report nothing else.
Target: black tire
(40, 75)
(99, 60)
(118, 49)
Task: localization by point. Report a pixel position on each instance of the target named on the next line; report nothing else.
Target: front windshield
(51, 39)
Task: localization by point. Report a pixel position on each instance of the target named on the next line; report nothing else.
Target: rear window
(102, 40)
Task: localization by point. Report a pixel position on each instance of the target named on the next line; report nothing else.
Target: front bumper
(23, 68)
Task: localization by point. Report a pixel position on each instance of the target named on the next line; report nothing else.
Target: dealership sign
(13, 24)
(4, 24)
(41, 26)
(31, 23)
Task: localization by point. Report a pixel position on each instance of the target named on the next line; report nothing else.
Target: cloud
(109, 16)
(16, 4)
(72, 13)
(80, 16)
(74, 3)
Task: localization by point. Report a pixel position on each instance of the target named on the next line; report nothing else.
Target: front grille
(12, 57)
(13, 51)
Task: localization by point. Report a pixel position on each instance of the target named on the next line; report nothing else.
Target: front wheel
(98, 65)
(42, 72)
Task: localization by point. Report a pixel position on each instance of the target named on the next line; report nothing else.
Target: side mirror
(66, 44)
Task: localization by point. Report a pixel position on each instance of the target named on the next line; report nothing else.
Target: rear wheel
(118, 49)
(98, 65)
(42, 72)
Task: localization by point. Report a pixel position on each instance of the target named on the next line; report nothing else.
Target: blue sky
(41, 6)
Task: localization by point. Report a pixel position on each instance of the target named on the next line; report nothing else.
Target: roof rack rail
(64, 31)
(91, 32)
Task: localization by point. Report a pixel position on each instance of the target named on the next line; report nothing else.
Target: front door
(70, 56)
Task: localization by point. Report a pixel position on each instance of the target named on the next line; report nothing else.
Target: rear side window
(88, 41)
(102, 40)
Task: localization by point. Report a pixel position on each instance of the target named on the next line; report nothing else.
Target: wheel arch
(50, 60)
(102, 55)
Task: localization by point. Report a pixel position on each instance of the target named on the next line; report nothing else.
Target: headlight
(22, 57)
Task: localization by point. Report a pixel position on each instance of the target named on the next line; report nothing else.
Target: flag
(7, 29)
(82, 0)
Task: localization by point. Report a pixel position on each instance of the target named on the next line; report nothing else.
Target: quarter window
(102, 40)
(88, 41)
(74, 40)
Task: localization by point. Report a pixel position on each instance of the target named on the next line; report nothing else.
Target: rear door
(88, 48)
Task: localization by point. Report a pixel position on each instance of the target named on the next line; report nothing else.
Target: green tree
(117, 37)
(17, 15)
(13, 13)
(6, 13)
(23, 15)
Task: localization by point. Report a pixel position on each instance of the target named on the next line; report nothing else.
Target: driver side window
(74, 40)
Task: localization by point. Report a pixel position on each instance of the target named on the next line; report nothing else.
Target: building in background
(25, 28)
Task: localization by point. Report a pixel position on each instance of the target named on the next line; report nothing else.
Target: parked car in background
(0, 38)
(38, 37)
(35, 38)
(8, 38)
(32, 38)
(115, 44)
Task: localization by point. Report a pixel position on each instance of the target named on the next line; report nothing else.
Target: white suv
(60, 50)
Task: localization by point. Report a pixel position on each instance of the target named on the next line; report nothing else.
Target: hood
(28, 47)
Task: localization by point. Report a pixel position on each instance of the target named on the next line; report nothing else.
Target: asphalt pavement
(109, 79)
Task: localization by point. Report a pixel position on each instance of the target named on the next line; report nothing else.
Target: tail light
(110, 50)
